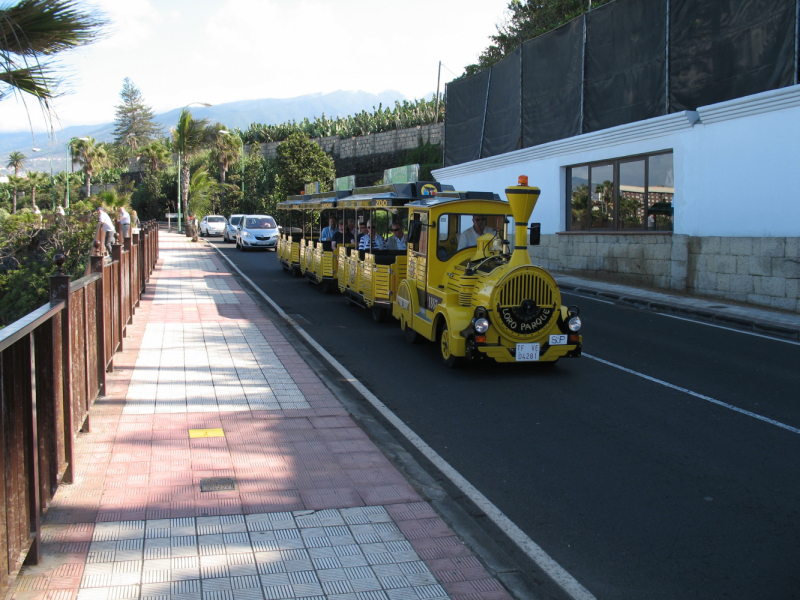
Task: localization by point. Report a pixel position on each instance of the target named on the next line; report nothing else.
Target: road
(637, 489)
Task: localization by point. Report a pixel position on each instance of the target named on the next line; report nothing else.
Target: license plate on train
(527, 352)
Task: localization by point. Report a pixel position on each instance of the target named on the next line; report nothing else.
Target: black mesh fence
(625, 77)
(501, 132)
(623, 62)
(463, 118)
(727, 49)
(552, 68)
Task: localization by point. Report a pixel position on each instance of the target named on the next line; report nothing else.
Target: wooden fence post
(59, 291)
(97, 261)
(116, 254)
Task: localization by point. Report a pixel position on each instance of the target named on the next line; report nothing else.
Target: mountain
(270, 111)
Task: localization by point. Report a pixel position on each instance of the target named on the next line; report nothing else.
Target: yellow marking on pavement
(206, 433)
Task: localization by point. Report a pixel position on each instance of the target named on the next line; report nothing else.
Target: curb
(754, 324)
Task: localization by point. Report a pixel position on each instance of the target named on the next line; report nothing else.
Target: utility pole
(438, 79)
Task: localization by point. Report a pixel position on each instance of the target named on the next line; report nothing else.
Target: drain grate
(217, 484)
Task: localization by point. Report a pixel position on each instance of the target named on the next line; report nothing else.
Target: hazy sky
(217, 51)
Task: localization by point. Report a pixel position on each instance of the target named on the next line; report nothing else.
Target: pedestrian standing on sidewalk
(125, 221)
(104, 228)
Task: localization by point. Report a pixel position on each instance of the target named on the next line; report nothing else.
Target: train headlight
(575, 324)
(481, 325)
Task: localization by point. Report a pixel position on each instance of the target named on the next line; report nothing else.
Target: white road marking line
(688, 320)
(563, 293)
(696, 395)
(545, 562)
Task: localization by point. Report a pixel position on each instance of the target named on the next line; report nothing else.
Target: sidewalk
(316, 510)
(759, 320)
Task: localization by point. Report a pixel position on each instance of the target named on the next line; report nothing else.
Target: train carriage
(370, 277)
(291, 213)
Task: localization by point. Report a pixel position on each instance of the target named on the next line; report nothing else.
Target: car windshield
(235, 220)
(216, 220)
(259, 223)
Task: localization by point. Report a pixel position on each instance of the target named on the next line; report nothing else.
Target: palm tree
(61, 182)
(16, 161)
(17, 183)
(36, 180)
(190, 137)
(201, 191)
(33, 30)
(224, 149)
(92, 157)
(153, 156)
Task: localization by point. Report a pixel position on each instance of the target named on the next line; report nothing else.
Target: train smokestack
(522, 200)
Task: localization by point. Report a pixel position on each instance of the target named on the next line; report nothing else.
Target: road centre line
(543, 560)
(695, 394)
(707, 324)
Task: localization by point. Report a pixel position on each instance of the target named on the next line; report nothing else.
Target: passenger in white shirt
(125, 221)
(371, 239)
(105, 226)
(470, 236)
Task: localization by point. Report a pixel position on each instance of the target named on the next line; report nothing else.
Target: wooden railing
(53, 365)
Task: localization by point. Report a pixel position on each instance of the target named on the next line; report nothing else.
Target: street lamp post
(241, 149)
(52, 181)
(180, 229)
(68, 164)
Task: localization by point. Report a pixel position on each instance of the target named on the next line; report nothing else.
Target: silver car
(257, 231)
(213, 225)
(230, 230)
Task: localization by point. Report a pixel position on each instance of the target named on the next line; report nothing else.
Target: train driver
(470, 236)
(398, 240)
(371, 240)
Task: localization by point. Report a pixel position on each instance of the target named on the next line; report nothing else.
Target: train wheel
(327, 286)
(379, 314)
(296, 271)
(450, 360)
(412, 337)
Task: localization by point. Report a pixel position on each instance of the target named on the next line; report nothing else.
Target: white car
(213, 225)
(230, 231)
(257, 231)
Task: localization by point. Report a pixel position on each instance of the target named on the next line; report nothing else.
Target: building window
(632, 193)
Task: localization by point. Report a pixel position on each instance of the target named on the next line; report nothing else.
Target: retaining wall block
(786, 267)
(724, 282)
(709, 245)
(783, 303)
(759, 299)
(661, 251)
(760, 265)
(770, 286)
(705, 280)
(792, 247)
(741, 246)
(741, 284)
(635, 251)
(772, 247)
(679, 247)
(725, 263)
(793, 288)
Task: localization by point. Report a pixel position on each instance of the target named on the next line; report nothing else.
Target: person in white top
(125, 221)
(470, 236)
(398, 240)
(371, 240)
(328, 232)
(106, 227)
(37, 212)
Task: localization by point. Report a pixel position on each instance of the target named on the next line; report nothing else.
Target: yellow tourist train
(455, 269)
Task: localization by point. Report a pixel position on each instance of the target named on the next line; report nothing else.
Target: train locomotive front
(486, 300)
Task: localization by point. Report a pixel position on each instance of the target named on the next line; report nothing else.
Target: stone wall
(374, 143)
(761, 271)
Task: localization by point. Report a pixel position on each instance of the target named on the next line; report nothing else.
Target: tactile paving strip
(336, 554)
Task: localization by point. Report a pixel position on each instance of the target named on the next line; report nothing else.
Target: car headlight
(481, 325)
(246, 234)
(575, 324)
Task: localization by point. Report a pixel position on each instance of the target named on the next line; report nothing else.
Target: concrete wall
(375, 143)
(737, 207)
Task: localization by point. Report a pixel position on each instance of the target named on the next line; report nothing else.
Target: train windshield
(458, 231)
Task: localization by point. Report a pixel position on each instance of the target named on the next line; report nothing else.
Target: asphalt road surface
(637, 489)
